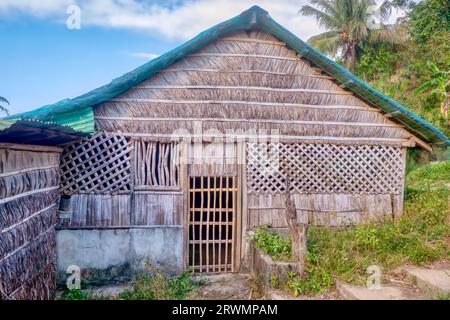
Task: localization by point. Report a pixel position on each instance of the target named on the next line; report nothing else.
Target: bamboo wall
(29, 178)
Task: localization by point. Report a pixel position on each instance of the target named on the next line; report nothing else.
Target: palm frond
(358, 30)
(2, 108)
(328, 43)
(328, 46)
(385, 10)
(325, 20)
(327, 7)
(388, 34)
(4, 100)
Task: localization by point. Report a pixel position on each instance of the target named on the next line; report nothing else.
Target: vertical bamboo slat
(208, 212)
(214, 224)
(227, 194)
(192, 212)
(201, 224)
(220, 224)
(233, 228)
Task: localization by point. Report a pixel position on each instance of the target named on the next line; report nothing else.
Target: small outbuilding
(192, 150)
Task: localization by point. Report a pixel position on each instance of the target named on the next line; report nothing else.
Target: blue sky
(42, 61)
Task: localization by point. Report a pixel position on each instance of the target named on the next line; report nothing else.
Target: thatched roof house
(193, 149)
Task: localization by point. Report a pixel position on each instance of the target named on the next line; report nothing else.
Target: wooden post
(297, 230)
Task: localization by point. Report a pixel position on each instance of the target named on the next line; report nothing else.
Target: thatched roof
(77, 113)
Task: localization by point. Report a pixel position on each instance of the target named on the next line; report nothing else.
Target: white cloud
(173, 19)
(144, 55)
(181, 20)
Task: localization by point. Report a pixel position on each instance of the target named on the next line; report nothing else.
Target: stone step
(108, 291)
(385, 292)
(433, 281)
(276, 294)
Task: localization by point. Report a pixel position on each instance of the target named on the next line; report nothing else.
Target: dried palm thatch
(29, 178)
(14, 161)
(28, 229)
(246, 81)
(40, 287)
(28, 181)
(17, 210)
(19, 268)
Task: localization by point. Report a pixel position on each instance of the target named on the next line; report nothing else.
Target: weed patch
(273, 244)
(160, 287)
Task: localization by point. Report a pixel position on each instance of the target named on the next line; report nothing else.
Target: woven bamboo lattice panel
(99, 165)
(324, 168)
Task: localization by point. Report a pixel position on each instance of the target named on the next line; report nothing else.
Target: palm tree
(350, 24)
(2, 108)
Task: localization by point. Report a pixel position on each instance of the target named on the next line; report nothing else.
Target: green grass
(76, 294)
(273, 244)
(436, 176)
(443, 296)
(420, 236)
(160, 287)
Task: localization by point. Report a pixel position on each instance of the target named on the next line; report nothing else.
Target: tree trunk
(353, 62)
(298, 232)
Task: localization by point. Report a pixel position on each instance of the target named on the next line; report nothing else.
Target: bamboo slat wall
(142, 208)
(157, 208)
(29, 179)
(319, 209)
(248, 81)
(98, 210)
(214, 159)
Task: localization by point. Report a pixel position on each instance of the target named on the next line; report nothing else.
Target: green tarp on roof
(77, 113)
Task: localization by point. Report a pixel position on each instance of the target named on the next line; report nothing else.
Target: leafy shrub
(273, 244)
(160, 287)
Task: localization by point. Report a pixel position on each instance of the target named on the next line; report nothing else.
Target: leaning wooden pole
(297, 230)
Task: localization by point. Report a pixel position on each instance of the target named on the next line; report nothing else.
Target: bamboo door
(212, 223)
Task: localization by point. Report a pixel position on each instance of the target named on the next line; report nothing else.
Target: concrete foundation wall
(106, 255)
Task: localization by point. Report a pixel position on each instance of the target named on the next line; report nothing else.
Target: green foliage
(274, 280)
(415, 73)
(273, 244)
(443, 296)
(378, 62)
(418, 237)
(429, 18)
(430, 177)
(438, 82)
(160, 287)
(76, 294)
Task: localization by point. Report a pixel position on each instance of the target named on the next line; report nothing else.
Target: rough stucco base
(106, 255)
